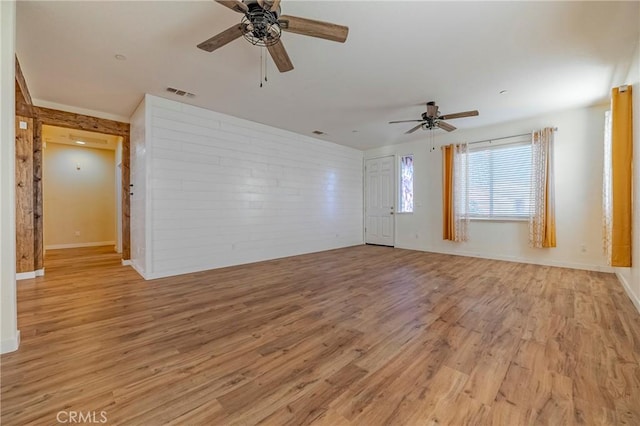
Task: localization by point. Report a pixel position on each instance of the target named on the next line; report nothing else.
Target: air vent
(180, 92)
(318, 132)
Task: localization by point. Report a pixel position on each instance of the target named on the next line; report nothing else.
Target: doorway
(82, 191)
(380, 201)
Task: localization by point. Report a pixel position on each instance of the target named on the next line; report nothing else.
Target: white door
(379, 199)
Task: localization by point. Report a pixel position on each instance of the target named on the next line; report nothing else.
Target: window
(500, 182)
(406, 184)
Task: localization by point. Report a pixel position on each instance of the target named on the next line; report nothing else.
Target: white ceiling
(548, 55)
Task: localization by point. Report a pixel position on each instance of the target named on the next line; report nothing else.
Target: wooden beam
(24, 195)
(23, 108)
(126, 200)
(22, 83)
(71, 120)
(38, 226)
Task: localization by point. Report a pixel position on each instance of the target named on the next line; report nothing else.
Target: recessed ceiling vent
(318, 132)
(180, 92)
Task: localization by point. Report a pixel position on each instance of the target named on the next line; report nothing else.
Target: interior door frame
(52, 117)
(394, 196)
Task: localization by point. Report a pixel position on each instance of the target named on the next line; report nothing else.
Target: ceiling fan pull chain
(261, 54)
(265, 67)
(431, 140)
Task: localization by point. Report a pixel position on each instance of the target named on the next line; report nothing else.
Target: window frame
(490, 147)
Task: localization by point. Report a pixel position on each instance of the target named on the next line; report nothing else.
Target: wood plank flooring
(358, 336)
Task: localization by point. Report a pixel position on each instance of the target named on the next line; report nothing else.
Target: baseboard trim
(126, 262)
(78, 245)
(557, 264)
(627, 288)
(140, 271)
(40, 273)
(10, 345)
(25, 275)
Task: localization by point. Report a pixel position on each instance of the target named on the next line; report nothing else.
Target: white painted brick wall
(226, 191)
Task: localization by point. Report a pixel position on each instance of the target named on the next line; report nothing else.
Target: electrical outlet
(77, 233)
(583, 248)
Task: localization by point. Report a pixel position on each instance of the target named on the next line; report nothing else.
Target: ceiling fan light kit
(262, 25)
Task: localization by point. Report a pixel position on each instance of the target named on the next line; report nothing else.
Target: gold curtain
(448, 219)
(542, 220)
(621, 175)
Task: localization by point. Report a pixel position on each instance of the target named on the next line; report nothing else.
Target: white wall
(138, 178)
(226, 191)
(630, 277)
(578, 166)
(9, 334)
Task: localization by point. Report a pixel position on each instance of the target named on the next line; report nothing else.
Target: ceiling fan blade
(408, 132)
(217, 41)
(445, 126)
(235, 5)
(275, 5)
(312, 28)
(280, 57)
(459, 115)
(405, 121)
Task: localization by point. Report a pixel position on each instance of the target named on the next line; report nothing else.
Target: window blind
(500, 181)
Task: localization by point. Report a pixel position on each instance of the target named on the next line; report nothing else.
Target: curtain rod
(504, 137)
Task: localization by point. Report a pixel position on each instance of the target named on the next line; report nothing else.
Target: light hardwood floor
(357, 336)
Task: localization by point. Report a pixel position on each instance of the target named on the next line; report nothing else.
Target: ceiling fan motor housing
(260, 25)
(432, 110)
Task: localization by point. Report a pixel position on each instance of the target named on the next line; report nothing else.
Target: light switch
(23, 125)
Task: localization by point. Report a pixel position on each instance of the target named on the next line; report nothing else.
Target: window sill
(401, 213)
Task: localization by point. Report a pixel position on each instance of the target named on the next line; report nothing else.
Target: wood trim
(23, 108)
(22, 83)
(38, 226)
(24, 196)
(71, 120)
(126, 199)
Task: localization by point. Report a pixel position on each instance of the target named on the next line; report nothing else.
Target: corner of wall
(624, 276)
(9, 333)
(10, 345)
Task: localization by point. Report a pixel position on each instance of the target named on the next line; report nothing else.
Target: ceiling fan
(432, 119)
(262, 25)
